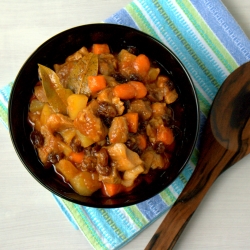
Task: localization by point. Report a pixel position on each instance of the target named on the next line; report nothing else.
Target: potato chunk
(76, 103)
(83, 183)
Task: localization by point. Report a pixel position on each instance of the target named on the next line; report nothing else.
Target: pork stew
(105, 121)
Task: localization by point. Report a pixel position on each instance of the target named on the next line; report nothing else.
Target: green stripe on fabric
(203, 103)
(195, 156)
(4, 114)
(140, 20)
(136, 216)
(206, 33)
(186, 44)
(168, 197)
(183, 178)
(84, 225)
(112, 224)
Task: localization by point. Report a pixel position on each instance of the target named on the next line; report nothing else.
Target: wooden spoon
(226, 140)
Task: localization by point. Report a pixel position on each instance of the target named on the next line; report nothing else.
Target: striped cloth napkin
(209, 42)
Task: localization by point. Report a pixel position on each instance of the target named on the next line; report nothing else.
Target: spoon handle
(214, 159)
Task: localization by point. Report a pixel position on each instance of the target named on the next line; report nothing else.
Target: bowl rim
(48, 41)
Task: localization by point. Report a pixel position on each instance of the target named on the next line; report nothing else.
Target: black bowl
(55, 50)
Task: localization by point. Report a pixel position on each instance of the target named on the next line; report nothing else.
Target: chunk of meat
(118, 131)
(106, 95)
(111, 82)
(63, 70)
(141, 107)
(152, 160)
(155, 93)
(53, 142)
(123, 158)
(50, 146)
(58, 122)
(125, 63)
(90, 125)
(107, 64)
(126, 161)
(130, 175)
(159, 109)
(77, 55)
(114, 176)
(167, 86)
(151, 128)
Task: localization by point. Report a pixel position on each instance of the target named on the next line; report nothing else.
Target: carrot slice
(141, 141)
(111, 189)
(96, 83)
(100, 49)
(142, 64)
(132, 121)
(165, 135)
(124, 91)
(76, 157)
(141, 90)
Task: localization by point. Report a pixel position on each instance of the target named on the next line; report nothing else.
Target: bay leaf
(91, 69)
(51, 85)
(73, 74)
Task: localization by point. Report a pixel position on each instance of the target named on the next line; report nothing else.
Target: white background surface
(29, 216)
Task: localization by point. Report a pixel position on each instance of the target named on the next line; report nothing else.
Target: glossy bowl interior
(55, 50)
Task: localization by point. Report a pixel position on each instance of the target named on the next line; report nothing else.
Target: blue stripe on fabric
(91, 231)
(127, 227)
(123, 18)
(104, 232)
(187, 59)
(188, 170)
(5, 94)
(153, 207)
(104, 227)
(225, 28)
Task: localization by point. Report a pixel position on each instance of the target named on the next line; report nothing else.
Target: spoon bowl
(225, 141)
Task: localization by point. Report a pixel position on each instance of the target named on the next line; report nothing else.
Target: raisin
(170, 85)
(142, 127)
(54, 158)
(107, 121)
(37, 139)
(133, 50)
(120, 78)
(134, 77)
(106, 109)
(130, 143)
(96, 148)
(167, 120)
(89, 163)
(102, 166)
(75, 145)
(159, 147)
(126, 104)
